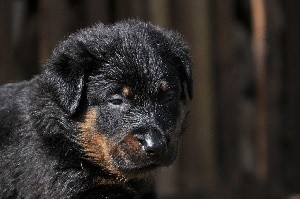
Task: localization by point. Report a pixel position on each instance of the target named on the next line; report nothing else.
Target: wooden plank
(197, 173)
(228, 99)
(25, 44)
(259, 58)
(274, 92)
(97, 11)
(293, 94)
(131, 9)
(57, 19)
(6, 67)
(160, 12)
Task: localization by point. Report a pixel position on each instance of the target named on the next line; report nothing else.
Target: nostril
(152, 141)
(141, 141)
(155, 149)
(168, 140)
(154, 145)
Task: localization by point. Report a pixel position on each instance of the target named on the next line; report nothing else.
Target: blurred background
(243, 139)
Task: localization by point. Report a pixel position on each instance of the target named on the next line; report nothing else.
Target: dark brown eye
(116, 100)
(170, 96)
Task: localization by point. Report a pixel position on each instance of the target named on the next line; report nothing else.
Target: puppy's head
(132, 84)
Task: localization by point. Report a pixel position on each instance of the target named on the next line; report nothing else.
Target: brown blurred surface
(243, 140)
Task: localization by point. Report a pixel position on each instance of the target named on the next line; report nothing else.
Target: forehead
(136, 57)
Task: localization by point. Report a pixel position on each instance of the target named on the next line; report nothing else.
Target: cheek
(105, 150)
(96, 148)
(110, 122)
(95, 145)
(170, 117)
(131, 143)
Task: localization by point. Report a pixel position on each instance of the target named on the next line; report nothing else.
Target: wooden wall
(243, 139)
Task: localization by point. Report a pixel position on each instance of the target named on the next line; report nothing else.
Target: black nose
(153, 142)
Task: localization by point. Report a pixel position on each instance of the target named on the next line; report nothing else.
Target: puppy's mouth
(128, 157)
(140, 151)
(138, 160)
(134, 168)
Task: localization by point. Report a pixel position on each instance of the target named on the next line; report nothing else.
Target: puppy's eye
(169, 97)
(116, 100)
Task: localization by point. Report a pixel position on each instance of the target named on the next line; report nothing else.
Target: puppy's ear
(180, 54)
(183, 60)
(65, 73)
(185, 69)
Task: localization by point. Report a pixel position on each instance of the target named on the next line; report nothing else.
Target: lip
(139, 168)
(148, 167)
(143, 163)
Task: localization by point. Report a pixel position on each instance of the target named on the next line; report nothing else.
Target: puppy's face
(135, 99)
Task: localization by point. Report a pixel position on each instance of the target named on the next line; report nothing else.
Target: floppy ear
(183, 59)
(185, 69)
(65, 82)
(65, 72)
(179, 49)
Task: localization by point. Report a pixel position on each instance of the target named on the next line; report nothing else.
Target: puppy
(107, 110)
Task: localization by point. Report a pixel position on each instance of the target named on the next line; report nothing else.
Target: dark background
(244, 134)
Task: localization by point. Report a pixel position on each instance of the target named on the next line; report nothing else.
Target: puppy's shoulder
(12, 97)
(9, 92)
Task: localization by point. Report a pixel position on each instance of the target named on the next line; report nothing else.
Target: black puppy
(107, 110)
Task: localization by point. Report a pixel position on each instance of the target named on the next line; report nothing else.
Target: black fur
(88, 125)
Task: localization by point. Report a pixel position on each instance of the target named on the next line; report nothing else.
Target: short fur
(81, 128)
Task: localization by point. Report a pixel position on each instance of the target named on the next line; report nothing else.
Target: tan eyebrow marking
(126, 91)
(164, 85)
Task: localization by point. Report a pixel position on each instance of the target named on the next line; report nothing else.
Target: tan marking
(132, 142)
(164, 86)
(126, 91)
(124, 183)
(100, 150)
(110, 181)
(95, 145)
(89, 121)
